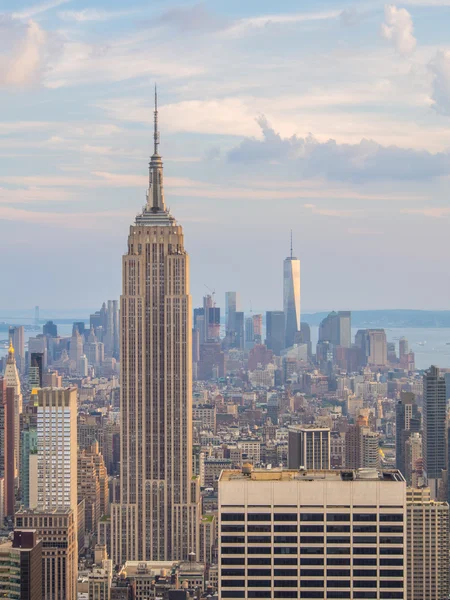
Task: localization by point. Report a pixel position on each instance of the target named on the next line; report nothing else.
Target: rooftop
(314, 474)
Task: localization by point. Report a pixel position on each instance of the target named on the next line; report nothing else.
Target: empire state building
(158, 516)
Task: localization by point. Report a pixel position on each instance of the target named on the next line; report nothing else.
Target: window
(259, 539)
(284, 517)
(311, 572)
(391, 595)
(259, 517)
(391, 573)
(311, 517)
(232, 594)
(391, 540)
(259, 583)
(364, 594)
(338, 539)
(311, 528)
(258, 594)
(393, 584)
(391, 562)
(313, 539)
(285, 539)
(338, 517)
(233, 528)
(233, 517)
(338, 550)
(364, 528)
(233, 561)
(259, 528)
(398, 517)
(339, 594)
(259, 572)
(233, 572)
(240, 583)
(285, 572)
(311, 561)
(285, 561)
(363, 584)
(364, 517)
(312, 594)
(369, 562)
(338, 583)
(391, 551)
(391, 528)
(236, 550)
(338, 572)
(233, 539)
(259, 561)
(338, 528)
(364, 572)
(286, 594)
(255, 550)
(364, 539)
(286, 528)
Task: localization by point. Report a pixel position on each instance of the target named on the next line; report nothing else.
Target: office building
(21, 567)
(29, 467)
(99, 582)
(312, 534)
(275, 329)
(434, 428)
(239, 333)
(414, 460)
(407, 421)
(336, 329)
(76, 349)
(159, 514)
(7, 431)
(308, 447)
(92, 486)
(291, 297)
(427, 546)
(59, 563)
(35, 370)
(17, 336)
(57, 448)
(231, 307)
(13, 382)
(50, 329)
(373, 347)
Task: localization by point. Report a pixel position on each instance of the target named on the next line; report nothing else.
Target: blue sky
(330, 118)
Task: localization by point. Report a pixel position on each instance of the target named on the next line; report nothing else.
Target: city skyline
(256, 137)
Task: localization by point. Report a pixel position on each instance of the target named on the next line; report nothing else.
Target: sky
(327, 117)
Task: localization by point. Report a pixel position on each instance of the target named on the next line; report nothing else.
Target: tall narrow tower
(157, 518)
(291, 297)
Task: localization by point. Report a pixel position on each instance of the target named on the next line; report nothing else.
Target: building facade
(291, 298)
(434, 428)
(309, 447)
(317, 534)
(158, 517)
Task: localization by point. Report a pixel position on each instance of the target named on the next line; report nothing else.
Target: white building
(312, 534)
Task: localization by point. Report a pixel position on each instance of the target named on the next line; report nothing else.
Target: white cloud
(37, 9)
(93, 14)
(437, 212)
(23, 51)
(440, 70)
(399, 28)
(245, 26)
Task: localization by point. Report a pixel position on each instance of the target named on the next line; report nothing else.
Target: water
(429, 345)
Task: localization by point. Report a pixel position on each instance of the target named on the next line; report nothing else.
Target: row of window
(292, 539)
(338, 583)
(311, 594)
(261, 528)
(335, 517)
(312, 573)
(288, 561)
(310, 550)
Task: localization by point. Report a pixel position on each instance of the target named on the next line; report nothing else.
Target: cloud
(23, 52)
(93, 14)
(88, 220)
(439, 67)
(37, 9)
(192, 18)
(350, 17)
(263, 23)
(399, 28)
(428, 211)
(365, 161)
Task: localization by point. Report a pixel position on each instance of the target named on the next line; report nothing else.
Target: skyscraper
(291, 297)
(13, 381)
(407, 421)
(17, 334)
(157, 518)
(231, 306)
(275, 331)
(308, 447)
(434, 428)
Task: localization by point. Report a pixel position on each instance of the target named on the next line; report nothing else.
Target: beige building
(13, 381)
(58, 532)
(311, 534)
(93, 486)
(428, 546)
(158, 517)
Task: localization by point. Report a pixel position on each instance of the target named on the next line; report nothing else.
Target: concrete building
(275, 331)
(434, 428)
(17, 337)
(57, 448)
(427, 546)
(407, 421)
(336, 329)
(159, 514)
(232, 305)
(13, 381)
(93, 486)
(29, 468)
(278, 529)
(57, 530)
(100, 580)
(291, 297)
(21, 567)
(309, 447)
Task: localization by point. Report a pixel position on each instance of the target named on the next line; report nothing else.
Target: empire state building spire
(155, 194)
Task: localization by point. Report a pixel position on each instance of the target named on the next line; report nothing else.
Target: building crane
(213, 294)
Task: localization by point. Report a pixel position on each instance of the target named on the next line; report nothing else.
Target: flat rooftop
(310, 475)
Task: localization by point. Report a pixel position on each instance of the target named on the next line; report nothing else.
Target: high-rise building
(20, 567)
(58, 531)
(239, 322)
(336, 329)
(28, 467)
(373, 346)
(13, 382)
(312, 534)
(57, 448)
(414, 460)
(36, 370)
(291, 297)
(92, 486)
(434, 428)
(158, 517)
(17, 335)
(7, 449)
(50, 329)
(76, 349)
(427, 545)
(231, 307)
(308, 447)
(275, 329)
(407, 421)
